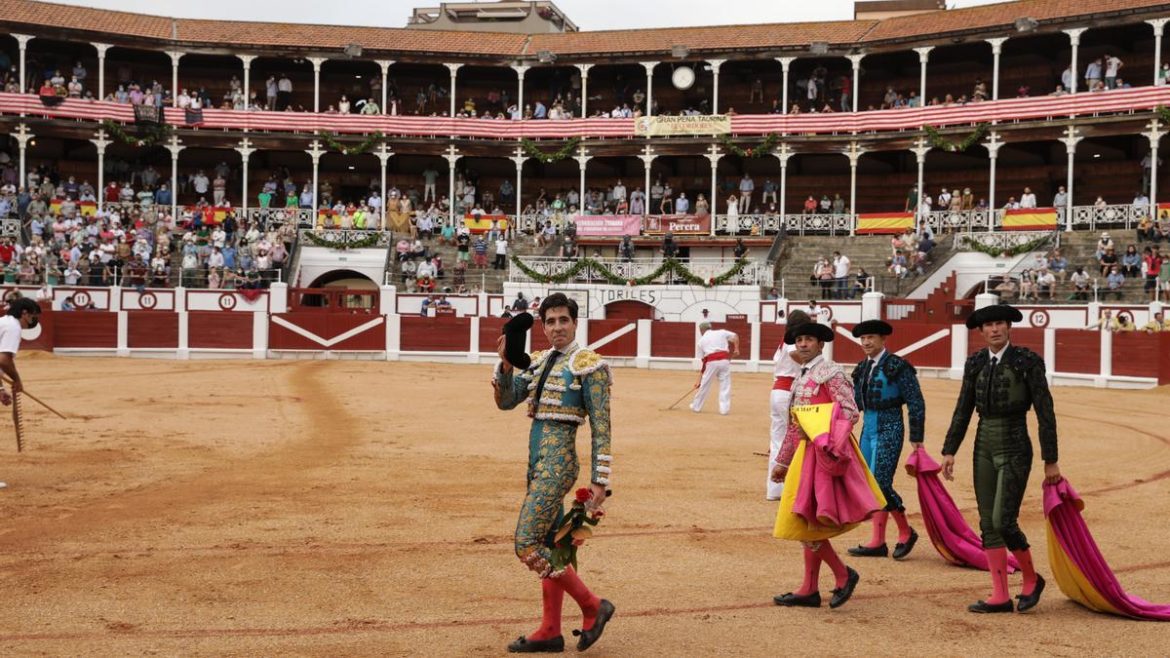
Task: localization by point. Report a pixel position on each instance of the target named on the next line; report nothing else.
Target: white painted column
(1049, 353)
(22, 42)
(584, 68)
(923, 58)
(582, 159)
(23, 136)
(245, 150)
(1154, 134)
(785, 62)
(1159, 25)
(714, 155)
(1106, 363)
(871, 305)
(247, 61)
(642, 360)
(920, 149)
(520, 70)
(715, 65)
(385, 65)
(101, 142)
(317, 62)
(518, 158)
(856, 60)
(993, 144)
(175, 56)
(454, 69)
(996, 51)
(1074, 38)
(854, 154)
(649, 66)
(959, 354)
(784, 154)
(452, 156)
(647, 159)
(315, 152)
(384, 153)
(101, 53)
(175, 147)
(1071, 137)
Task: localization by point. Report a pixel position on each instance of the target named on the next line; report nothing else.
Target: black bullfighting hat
(515, 333)
(814, 329)
(1005, 312)
(872, 327)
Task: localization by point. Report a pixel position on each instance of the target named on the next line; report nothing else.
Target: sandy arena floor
(349, 508)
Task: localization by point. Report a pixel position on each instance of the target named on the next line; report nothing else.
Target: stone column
(101, 142)
(101, 49)
(452, 156)
(175, 147)
(856, 59)
(315, 152)
(385, 65)
(993, 144)
(317, 62)
(854, 154)
(584, 68)
(996, 51)
(454, 69)
(715, 64)
(648, 156)
(520, 70)
(23, 137)
(714, 155)
(785, 63)
(649, 66)
(384, 153)
(245, 150)
(1074, 38)
(923, 58)
(1071, 137)
(247, 60)
(175, 57)
(1154, 134)
(1159, 25)
(582, 159)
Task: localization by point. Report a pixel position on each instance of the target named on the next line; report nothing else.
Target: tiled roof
(32, 13)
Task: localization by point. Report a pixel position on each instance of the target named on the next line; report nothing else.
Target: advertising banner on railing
(607, 225)
(664, 126)
(677, 224)
(885, 222)
(1029, 219)
(483, 223)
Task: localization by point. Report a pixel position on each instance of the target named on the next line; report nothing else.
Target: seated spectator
(1107, 261)
(1046, 283)
(1058, 265)
(1146, 230)
(1115, 281)
(1081, 284)
(1006, 288)
(1131, 262)
(1028, 288)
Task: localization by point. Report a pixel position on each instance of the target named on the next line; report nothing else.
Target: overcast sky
(587, 14)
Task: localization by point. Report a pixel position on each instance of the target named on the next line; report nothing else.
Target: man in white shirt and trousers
(23, 313)
(717, 347)
(785, 370)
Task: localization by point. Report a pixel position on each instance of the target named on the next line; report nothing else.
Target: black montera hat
(1005, 312)
(515, 332)
(815, 329)
(872, 327)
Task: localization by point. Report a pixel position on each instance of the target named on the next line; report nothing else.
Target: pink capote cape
(834, 484)
(954, 540)
(1077, 563)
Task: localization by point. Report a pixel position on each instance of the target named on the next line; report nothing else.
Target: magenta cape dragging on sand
(1077, 563)
(948, 530)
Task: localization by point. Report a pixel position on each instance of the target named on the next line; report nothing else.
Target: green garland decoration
(361, 243)
(940, 142)
(533, 151)
(996, 252)
(760, 150)
(669, 266)
(1163, 113)
(364, 147)
(149, 135)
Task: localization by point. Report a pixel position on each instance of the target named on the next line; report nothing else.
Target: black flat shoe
(870, 551)
(594, 634)
(524, 645)
(902, 549)
(984, 607)
(797, 601)
(842, 594)
(1029, 601)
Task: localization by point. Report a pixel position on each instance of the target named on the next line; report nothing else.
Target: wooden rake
(18, 413)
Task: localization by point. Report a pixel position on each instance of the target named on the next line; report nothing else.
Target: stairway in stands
(800, 253)
(488, 279)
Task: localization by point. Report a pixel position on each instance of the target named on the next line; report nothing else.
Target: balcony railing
(753, 273)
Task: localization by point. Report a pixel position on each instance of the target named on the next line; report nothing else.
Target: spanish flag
(1030, 219)
(885, 222)
(483, 223)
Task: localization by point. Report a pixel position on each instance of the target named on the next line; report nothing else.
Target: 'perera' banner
(662, 126)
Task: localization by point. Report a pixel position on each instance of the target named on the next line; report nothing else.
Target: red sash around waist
(783, 383)
(721, 355)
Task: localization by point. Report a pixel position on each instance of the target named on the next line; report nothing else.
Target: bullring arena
(273, 262)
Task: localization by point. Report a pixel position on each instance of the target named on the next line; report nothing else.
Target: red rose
(583, 495)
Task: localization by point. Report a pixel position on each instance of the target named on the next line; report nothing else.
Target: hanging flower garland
(760, 150)
(668, 266)
(996, 252)
(566, 151)
(940, 142)
(360, 243)
(150, 135)
(1163, 113)
(364, 147)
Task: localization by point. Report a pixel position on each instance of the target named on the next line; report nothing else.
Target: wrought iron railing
(752, 272)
